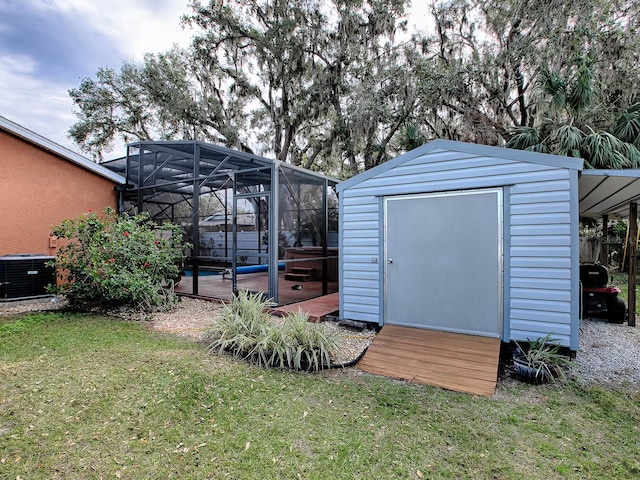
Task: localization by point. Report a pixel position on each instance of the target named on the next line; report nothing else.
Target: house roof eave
(58, 150)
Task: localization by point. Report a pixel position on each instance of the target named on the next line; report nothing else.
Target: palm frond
(553, 85)
(581, 90)
(524, 138)
(567, 140)
(412, 137)
(604, 150)
(631, 153)
(539, 148)
(627, 126)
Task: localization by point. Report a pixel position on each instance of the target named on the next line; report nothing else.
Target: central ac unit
(25, 276)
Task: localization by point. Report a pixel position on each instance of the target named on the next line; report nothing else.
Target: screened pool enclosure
(254, 223)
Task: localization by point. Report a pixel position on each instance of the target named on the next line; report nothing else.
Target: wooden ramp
(465, 363)
(317, 307)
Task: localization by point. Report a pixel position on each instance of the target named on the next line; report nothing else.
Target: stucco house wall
(43, 183)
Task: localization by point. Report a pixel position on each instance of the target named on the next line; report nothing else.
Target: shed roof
(601, 192)
(46, 144)
(470, 148)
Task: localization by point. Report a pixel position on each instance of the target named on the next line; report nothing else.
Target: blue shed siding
(540, 288)
(541, 251)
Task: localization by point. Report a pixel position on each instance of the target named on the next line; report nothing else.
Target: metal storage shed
(464, 238)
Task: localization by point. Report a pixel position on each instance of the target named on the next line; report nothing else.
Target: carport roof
(608, 192)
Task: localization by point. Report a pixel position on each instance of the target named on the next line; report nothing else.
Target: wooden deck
(317, 308)
(465, 363)
(215, 286)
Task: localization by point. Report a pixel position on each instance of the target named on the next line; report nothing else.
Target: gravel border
(609, 354)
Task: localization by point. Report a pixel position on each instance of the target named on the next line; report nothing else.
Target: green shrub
(620, 229)
(113, 260)
(247, 331)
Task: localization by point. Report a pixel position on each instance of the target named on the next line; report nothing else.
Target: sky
(48, 46)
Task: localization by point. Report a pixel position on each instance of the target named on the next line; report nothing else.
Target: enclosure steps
(317, 308)
(300, 274)
(465, 363)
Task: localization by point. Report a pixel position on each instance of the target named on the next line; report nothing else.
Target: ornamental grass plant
(242, 323)
(245, 330)
(544, 357)
(308, 346)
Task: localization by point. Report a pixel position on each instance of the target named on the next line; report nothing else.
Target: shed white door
(444, 261)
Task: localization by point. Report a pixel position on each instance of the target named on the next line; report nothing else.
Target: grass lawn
(85, 397)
